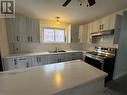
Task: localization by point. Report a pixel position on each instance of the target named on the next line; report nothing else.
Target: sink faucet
(56, 49)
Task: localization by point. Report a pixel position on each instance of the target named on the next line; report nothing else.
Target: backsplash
(103, 41)
(37, 47)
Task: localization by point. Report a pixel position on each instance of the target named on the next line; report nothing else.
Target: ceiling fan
(90, 3)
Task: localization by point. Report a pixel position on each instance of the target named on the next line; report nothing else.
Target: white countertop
(39, 53)
(48, 79)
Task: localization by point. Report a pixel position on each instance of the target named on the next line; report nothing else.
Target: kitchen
(42, 44)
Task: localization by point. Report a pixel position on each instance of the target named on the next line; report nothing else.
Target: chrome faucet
(56, 49)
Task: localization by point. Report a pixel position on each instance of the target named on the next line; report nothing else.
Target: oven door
(93, 62)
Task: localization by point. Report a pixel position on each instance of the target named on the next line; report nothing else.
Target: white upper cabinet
(112, 20)
(74, 33)
(83, 33)
(96, 26)
(22, 29)
(103, 24)
(10, 30)
(90, 27)
(32, 29)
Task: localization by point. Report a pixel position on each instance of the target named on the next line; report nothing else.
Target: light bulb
(58, 22)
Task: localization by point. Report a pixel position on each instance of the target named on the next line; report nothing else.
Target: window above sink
(53, 35)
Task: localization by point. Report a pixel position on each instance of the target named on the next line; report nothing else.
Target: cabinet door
(30, 62)
(22, 28)
(67, 57)
(53, 58)
(112, 21)
(74, 33)
(29, 29)
(35, 30)
(90, 29)
(105, 23)
(21, 62)
(10, 30)
(77, 56)
(16, 30)
(8, 64)
(41, 60)
(96, 26)
(83, 32)
(61, 58)
(32, 30)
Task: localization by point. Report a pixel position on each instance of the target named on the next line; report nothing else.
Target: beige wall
(3, 39)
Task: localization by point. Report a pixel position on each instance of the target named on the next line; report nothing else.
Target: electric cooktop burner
(101, 54)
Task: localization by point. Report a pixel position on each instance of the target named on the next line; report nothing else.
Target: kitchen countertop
(39, 53)
(48, 79)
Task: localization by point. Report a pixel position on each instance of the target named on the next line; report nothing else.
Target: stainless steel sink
(61, 51)
(57, 51)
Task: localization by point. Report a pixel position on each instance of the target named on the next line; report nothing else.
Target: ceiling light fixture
(57, 20)
(88, 3)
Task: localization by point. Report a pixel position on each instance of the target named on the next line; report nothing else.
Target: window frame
(54, 34)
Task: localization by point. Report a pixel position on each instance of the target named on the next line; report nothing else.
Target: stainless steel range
(102, 58)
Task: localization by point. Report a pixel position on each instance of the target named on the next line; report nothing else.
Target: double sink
(57, 51)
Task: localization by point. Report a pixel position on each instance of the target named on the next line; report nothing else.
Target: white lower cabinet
(21, 62)
(8, 64)
(31, 61)
(53, 58)
(67, 57)
(41, 60)
(76, 56)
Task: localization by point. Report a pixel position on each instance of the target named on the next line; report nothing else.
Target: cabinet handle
(31, 39)
(23, 59)
(37, 59)
(27, 65)
(17, 37)
(102, 26)
(15, 62)
(28, 39)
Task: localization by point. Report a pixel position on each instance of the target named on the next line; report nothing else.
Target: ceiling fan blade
(66, 3)
(91, 2)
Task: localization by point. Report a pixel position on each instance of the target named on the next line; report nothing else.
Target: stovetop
(102, 54)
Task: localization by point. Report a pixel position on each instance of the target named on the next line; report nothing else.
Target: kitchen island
(65, 78)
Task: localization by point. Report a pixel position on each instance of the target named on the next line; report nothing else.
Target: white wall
(4, 49)
(121, 61)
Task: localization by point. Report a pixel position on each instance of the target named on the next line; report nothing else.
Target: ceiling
(73, 13)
